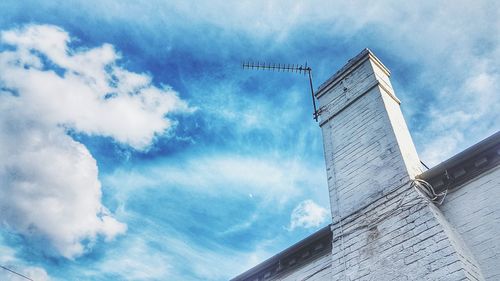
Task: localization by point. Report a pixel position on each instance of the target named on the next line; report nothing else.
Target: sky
(133, 146)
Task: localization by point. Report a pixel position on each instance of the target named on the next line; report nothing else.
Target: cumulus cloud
(448, 48)
(307, 214)
(49, 189)
(49, 186)
(84, 89)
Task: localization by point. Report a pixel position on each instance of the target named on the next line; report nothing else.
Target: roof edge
(297, 248)
(465, 165)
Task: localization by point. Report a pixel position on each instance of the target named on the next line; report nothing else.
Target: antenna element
(301, 69)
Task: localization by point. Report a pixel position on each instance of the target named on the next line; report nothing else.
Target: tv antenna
(301, 69)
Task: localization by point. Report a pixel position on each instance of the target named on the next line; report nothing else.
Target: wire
(424, 164)
(422, 187)
(426, 190)
(17, 273)
(399, 208)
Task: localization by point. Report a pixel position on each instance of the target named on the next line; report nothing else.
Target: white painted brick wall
(382, 229)
(368, 148)
(400, 236)
(474, 210)
(319, 269)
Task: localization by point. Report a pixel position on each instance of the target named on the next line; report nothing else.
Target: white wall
(474, 211)
(318, 269)
(367, 146)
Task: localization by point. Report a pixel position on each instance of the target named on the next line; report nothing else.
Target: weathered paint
(474, 210)
(382, 228)
(367, 146)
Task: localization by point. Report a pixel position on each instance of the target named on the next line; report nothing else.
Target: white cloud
(213, 263)
(8, 259)
(138, 259)
(49, 187)
(49, 190)
(308, 214)
(93, 95)
(244, 225)
(472, 113)
(32, 272)
(456, 47)
(270, 179)
(446, 46)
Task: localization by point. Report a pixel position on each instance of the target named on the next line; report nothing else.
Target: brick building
(390, 219)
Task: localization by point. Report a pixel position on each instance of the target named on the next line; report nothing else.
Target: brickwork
(319, 269)
(368, 148)
(383, 229)
(400, 236)
(474, 210)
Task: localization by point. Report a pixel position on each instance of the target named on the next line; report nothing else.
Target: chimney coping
(349, 66)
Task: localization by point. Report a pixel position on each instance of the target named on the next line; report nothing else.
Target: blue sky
(134, 147)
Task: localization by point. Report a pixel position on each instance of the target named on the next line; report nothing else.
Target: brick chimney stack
(368, 148)
(382, 228)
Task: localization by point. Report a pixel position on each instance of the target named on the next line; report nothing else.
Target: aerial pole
(301, 69)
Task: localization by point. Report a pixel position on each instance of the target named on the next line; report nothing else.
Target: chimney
(368, 148)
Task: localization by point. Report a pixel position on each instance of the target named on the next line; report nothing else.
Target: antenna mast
(301, 69)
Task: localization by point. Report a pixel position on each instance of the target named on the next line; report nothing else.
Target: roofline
(465, 165)
(449, 174)
(294, 249)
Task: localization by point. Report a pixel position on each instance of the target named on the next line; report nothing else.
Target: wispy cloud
(137, 259)
(268, 178)
(9, 260)
(251, 154)
(472, 113)
(451, 50)
(158, 252)
(233, 200)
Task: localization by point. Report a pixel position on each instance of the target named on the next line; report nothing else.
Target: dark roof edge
(465, 165)
(318, 235)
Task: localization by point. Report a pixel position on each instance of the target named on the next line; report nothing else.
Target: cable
(17, 273)
(424, 164)
(422, 187)
(427, 190)
(399, 208)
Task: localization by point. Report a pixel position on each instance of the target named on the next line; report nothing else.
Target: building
(390, 219)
